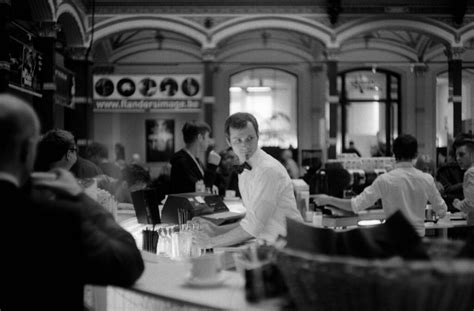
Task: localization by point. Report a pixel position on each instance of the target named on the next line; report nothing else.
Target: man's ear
(228, 141)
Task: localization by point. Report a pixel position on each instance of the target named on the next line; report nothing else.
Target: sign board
(25, 67)
(147, 92)
(64, 81)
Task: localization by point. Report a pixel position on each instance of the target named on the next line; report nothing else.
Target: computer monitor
(145, 203)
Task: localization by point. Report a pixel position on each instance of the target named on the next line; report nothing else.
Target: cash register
(182, 207)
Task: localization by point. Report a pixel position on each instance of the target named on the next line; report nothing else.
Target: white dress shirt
(404, 188)
(267, 194)
(467, 205)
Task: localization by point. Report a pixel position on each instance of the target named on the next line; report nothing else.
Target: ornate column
(333, 100)
(5, 6)
(454, 55)
(421, 112)
(45, 43)
(80, 120)
(208, 56)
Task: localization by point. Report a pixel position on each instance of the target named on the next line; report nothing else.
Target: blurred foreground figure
(51, 248)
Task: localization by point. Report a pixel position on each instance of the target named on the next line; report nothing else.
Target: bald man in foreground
(51, 248)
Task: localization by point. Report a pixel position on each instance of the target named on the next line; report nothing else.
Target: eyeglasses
(73, 149)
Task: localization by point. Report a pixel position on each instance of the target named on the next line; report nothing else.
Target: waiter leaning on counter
(404, 188)
(266, 189)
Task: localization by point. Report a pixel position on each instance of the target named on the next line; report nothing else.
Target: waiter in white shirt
(266, 189)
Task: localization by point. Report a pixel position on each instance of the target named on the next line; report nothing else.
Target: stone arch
(140, 48)
(119, 24)
(302, 55)
(242, 24)
(432, 28)
(467, 33)
(72, 23)
(399, 50)
(43, 10)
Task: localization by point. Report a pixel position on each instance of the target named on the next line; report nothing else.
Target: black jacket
(185, 173)
(51, 248)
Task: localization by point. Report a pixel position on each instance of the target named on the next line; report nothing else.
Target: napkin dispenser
(196, 203)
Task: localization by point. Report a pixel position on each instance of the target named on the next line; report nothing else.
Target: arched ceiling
(140, 40)
(407, 43)
(336, 18)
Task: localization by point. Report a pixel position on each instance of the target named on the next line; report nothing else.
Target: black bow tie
(240, 168)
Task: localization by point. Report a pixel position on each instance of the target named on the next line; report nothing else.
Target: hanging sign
(147, 92)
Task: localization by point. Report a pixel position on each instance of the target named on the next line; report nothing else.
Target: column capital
(208, 54)
(454, 52)
(77, 53)
(332, 54)
(48, 29)
(419, 70)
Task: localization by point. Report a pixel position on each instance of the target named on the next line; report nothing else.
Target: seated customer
(226, 175)
(450, 176)
(404, 188)
(465, 159)
(134, 178)
(56, 149)
(63, 244)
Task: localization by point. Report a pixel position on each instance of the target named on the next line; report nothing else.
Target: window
(270, 95)
(369, 111)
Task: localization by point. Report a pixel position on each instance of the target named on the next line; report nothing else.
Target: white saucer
(197, 282)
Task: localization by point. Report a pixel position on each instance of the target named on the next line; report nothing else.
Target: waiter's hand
(322, 199)
(205, 226)
(202, 240)
(213, 158)
(64, 183)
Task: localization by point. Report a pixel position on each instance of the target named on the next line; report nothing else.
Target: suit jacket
(185, 173)
(51, 248)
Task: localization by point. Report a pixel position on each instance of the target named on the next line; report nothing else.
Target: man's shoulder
(179, 156)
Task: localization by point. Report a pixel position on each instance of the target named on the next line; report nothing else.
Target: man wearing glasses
(56, 149)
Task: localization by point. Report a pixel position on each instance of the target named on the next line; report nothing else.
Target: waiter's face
(243, 141)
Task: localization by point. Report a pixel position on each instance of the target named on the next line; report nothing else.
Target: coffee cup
(230, 193)
(206, 267)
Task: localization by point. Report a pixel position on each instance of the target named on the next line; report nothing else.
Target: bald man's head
(19, 133)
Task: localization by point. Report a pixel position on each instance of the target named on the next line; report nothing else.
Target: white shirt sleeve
(368, 197)
(468, 188)
(434, 197)
(263, 204)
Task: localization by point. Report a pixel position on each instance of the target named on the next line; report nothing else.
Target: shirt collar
(404, 164)
(254, 159)
(10, 178)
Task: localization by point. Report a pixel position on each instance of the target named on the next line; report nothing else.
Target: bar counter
(163, 287)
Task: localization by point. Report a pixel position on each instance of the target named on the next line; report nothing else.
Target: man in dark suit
(186, 168)
(52, 245)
